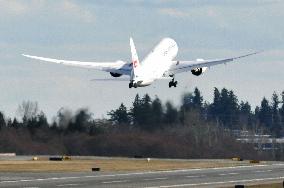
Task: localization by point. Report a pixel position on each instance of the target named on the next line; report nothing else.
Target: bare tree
(28, 110)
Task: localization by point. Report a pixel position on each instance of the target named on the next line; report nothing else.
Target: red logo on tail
(135, 64)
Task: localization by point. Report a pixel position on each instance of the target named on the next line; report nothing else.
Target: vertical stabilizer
(134, 56)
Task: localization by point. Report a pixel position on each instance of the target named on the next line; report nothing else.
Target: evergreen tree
(141, 112)
(146, 115)
(194, 100)
(245, 114)
(264, 114)
(197, 99)
(224, 108)
(171, 115)
(157, 112)
(136, 110)
(41, 120)
(224, 113)
(187, 105)
(276, 125)
(233, 109)
(15, 123)
(215, 107)
(187, 101)
(120, 116)
(2, 120)
(191, 103)
(256, 114)
(35, 122)
(81, 122)
(275, 103)
(146, 107)
(282, 110)
(245, 108)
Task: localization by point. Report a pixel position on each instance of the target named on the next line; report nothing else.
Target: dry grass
(115, 164)
(275, 185)
(272, 185)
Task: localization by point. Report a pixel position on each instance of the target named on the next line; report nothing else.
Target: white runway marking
(195, 176)
(216, 183)
(67, 185)
(118, 181)
(8, 178)
(153, 179)
(228, 174)
(263, 171)
(130, 174)
(278, 164)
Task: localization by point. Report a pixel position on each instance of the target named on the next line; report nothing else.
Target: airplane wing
(184, 66)
(118, 67)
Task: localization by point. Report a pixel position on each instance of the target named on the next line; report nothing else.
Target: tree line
(225, 111)
(149, 127)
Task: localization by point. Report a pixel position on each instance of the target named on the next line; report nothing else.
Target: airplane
(158, 64)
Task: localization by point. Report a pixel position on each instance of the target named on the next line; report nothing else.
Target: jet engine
(198, 71)
(115, 74)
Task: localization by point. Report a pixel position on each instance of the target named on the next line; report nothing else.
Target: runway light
(148, 160)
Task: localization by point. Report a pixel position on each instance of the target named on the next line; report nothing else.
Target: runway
(213, 177)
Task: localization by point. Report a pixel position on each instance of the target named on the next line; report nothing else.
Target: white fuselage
(156, 63)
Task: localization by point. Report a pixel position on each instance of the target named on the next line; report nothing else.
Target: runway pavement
(213, 177)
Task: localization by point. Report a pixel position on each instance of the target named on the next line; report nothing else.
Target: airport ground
(22, 171)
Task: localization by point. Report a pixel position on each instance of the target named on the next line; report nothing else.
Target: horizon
(74, 111)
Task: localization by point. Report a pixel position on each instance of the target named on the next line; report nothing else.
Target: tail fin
(135, 60)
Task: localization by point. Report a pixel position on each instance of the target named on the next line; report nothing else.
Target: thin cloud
(77, 11)
(173, 12)
(65, 8)
(13, 7)
(211, 12)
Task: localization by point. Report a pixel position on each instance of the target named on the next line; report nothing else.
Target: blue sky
(100, 30)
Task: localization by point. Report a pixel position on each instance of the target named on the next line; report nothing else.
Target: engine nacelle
(198, 71)
(115, 74)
